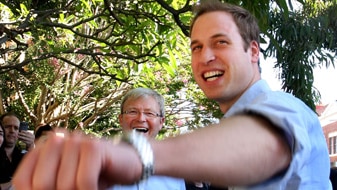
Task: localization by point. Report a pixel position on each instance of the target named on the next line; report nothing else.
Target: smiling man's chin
(212, 93)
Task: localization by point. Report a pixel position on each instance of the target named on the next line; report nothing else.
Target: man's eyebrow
(219, 35)
(193, 42)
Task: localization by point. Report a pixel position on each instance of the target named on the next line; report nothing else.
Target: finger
(22, 135)
(28, 141)
(27, 136)
(46, 169)
(24, 138)
(90, 164)
(66, 178)
(23, 175)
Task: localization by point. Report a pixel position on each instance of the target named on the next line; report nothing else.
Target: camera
(23, 126)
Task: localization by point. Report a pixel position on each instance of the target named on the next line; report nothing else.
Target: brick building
(328, 118)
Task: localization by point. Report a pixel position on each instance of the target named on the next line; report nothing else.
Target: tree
(70, 62)
(300, 45)
(75, 61)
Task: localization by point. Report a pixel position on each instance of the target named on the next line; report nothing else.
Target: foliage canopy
(68, 63)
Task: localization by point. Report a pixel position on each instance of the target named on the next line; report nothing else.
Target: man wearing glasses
(143, 110)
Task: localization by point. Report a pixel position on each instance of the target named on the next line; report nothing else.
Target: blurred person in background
(2, 135)
(42, 131)
(11, 154)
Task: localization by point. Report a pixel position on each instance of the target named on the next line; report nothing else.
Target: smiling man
(143, 110)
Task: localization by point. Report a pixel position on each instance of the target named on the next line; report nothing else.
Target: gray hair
(144, 92)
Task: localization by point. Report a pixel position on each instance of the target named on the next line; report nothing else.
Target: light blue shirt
(310, 165)
(154, 183)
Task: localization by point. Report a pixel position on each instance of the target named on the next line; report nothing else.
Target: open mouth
(141, 130)
(210, 76)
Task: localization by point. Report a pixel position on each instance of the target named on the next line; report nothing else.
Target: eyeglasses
(135, 113)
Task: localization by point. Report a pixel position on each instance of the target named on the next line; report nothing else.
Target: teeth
(211, 79)
(141, 130)
(210, 76)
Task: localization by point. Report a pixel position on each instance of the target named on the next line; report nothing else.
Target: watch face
(144, 149)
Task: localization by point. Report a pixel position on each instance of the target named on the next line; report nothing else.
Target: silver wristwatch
(144, 149)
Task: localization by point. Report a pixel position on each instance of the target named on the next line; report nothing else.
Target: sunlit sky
(325, 80)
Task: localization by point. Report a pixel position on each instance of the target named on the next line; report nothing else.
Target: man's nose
(11, 128)
(207, 55)
(141, 116)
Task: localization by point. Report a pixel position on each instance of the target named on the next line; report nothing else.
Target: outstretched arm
(77, 161)
(238, 151)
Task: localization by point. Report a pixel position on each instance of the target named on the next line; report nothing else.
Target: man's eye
(195, 48)
(222, 42)
(133, 112)
(150, 114)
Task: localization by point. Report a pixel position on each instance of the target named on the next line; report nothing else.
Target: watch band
(145, 153)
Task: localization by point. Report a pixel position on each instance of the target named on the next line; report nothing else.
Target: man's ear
(162, 121)
(255, 50)
(120, 118)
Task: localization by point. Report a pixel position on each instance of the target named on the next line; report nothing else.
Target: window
(333, 145)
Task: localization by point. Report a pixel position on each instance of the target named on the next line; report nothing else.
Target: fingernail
(58, 134)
